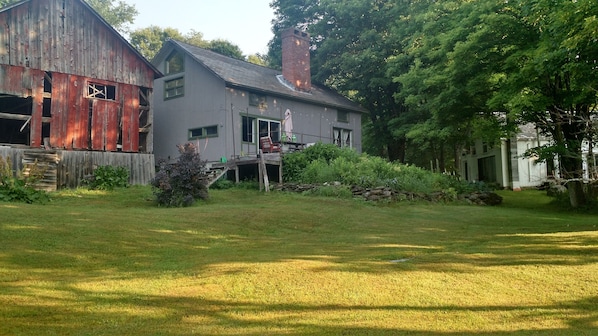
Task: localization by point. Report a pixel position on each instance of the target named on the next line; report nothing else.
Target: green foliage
(183, 182)
(226, 48)
(108, 178)
(20, 188)
(349, 168)
(331, 191)
(149, 40)
(222, 184)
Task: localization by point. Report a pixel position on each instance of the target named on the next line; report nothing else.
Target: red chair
(268, 146)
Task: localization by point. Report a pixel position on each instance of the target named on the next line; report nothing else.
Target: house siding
(217, 93)
(204, 103)
(512, 169)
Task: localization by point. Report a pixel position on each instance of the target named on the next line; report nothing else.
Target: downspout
(232, 121)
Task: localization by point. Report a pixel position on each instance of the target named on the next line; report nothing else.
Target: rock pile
(388, 194)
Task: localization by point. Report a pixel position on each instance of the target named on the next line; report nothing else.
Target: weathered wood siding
(19, 81)
(66, 36)
(54, 49)
(66, 169)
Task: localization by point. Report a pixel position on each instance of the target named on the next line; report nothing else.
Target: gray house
(225, 105)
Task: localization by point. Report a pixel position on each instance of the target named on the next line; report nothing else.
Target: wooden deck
(259, 163)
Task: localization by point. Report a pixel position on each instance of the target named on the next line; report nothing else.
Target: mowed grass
(250, 263)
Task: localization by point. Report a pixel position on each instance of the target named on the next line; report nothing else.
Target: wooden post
(263, 173)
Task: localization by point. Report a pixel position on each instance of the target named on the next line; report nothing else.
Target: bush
(327, 163)
(183, 182)
(108, 178)
(295, 164)
(20, 188)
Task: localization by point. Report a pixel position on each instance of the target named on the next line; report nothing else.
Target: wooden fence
(66, 169)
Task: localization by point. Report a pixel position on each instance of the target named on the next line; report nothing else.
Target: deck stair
(215, 172)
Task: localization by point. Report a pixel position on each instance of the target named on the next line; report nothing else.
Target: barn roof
(253, 77)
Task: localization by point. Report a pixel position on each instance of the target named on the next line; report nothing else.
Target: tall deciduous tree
(553, 82)
(352, 44)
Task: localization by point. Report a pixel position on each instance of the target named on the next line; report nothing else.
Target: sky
(245, 23)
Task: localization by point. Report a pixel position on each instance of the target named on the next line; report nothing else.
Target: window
(270, 128)
(248, 124)
(101, 91)
(343, 137)
(259, 101)
(174, 88)
(342, 116)
(175, 63)
(203, 132)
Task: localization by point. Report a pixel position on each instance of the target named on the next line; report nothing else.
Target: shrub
(183, 182)
(20, 188)
(108, 178)
(223, 183)
(328, 163)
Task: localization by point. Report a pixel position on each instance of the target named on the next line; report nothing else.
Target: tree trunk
(577, 196)
(396, 150)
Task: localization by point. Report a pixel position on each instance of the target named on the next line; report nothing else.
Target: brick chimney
(295, 59)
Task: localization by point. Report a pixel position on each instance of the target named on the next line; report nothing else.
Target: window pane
(212, 131)
(248, 129)
(196, 133)
(174, 88)
(264, 131)
(342, 116)
(275, 131)
(174, 64)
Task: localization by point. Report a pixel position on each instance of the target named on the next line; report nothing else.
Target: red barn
(70, 82)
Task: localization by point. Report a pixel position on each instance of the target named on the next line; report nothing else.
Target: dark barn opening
(15, 116)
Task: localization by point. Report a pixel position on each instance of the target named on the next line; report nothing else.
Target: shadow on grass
(111, 313)
(129, 238)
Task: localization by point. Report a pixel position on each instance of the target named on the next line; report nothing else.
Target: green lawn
(249, 263)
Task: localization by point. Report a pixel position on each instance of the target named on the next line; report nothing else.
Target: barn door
(103, 126)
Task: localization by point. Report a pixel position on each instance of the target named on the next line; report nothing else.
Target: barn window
(203, 132)
(174, 64)
(174, 88)
(101, 91)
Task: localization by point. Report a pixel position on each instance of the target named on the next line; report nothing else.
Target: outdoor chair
(268, 146)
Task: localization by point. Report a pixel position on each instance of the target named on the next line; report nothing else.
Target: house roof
(253, 77)
(157, 72)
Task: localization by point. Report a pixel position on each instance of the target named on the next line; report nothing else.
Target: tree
(258, 59)
(148, 41)
(553, 83)
(117, 13)
(226, 48)
(351, 48)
